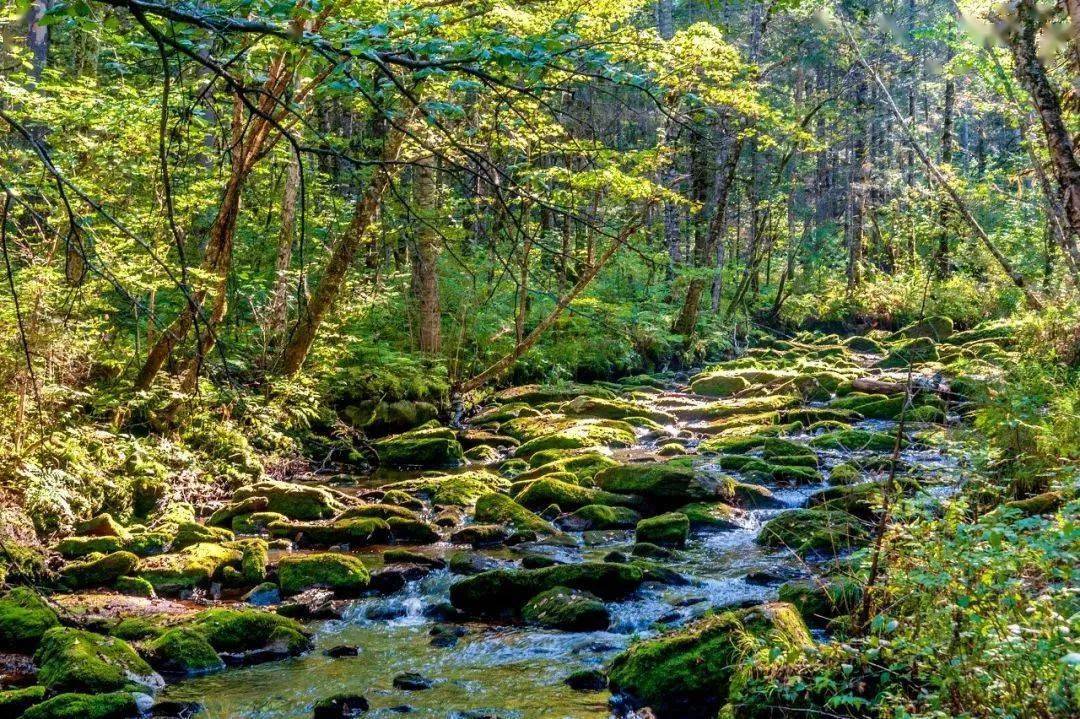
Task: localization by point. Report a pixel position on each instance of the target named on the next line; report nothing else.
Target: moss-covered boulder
(505, 590)
(776, 448)
(844, 473)
(98, 572)
(912, 352)
(494, 508)
(342, 573)
(24, 619)
(224, 515)
(183, 651)
(583, 465)
(191, 567)
(462, 489)
(73, 660)
(613, 409)
(602, 516)
(78, 547)
(660, 482)
(851, 440)
(102, 525)
(746, 438)
(687, 673)
(134, 587)
(240, 630)
(381, 418)
(546, 491)
(578, 434)
(412, 531)
(719, 384)
(805, 530)
(732, 408)
(567, 609)
(481, 535)
(820, 600)
(358, 531)
(433, 447)
(14, 702)
(867, 345)
(295, 501)
(532, 394)
(936, 328)
(188, 533)
(482, 454)
(112, 705)
(715, 515)
(256, 522)
(666, 530)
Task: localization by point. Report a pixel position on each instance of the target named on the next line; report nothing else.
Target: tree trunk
(342, 253)
(425, 261)
(860, 172)
(948, 107)
(37, 37)
(276, 313)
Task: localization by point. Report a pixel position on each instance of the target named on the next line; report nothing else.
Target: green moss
(103, 525)
(665, 530)
(857, 439)
(77, 547)
(868, 345)
(505, 590)
(461, 489)
(295, 501)
(114, 705)
(77, 660)
(580, 434)
(531, 394)
(935, 328)
(256, 522)
(225, 515)
(381, 511)
(744, 439)
(711, 514)
(602, 516)
(804, 530)
(356, 531)
(239, 630)
(688, 672)
(845, 473)
(340, 572)
(24, 619)
(665, 482)
(15, 701)
(184, 651)
(191, 567)
(133, 629)
(545, 491)
(819, 600)
(496, 508)
(254, 557)
(566, 609)
(777, 447)
(912, 352)
(482, 453)
(584, 466)
(98, 572)
(408, 556)
(614, 409)
(1044, 503)
(412, 531)
(435, 447)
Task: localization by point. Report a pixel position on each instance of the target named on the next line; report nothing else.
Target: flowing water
(512, 672)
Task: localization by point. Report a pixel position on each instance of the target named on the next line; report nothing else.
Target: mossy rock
(189, 533)
(719, 384)
(820, 600)
(666, 530)
(912, 352)
(134, 629)
(660, 482)
(412, 531)
(183, 651)
(357, 531)
(583, 464)
(545, 491)
(738, 407)
(381, 418)
(1044, 503)
(532, 394)
(580, 434)
(716, 515)
(806, 530)
(862, 500)
(461, 489)
(434, 447)
(776, 447)
(102, 525)
(482, 453)
(868, 345)
(99, 572)
(481, 535)
(14, 702)
(295, 501)
(74, 660)
(408, 556)
(191, 567)
(256, 522)
(567, 609)
(851, 440)
(602, 516)
(24, 619)
(78, 547)
(613, 409)
(671, 449)
(240, 630)
(688, 672)
(134, 587)
(506, 590)
(341, 573)
(254, 558)
(112, 705)
(398, 498)
(744, 439)
(494, 508)
(936, 328)
(225, 515)
(844, 474)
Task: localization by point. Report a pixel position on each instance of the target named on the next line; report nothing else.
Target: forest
(548, 359)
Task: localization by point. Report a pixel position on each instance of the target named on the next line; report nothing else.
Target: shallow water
(513, 672)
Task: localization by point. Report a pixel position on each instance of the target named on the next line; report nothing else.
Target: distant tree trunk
(860, 170)
(276, 313)
(342, 253)
(1021, 31)
(425, 261)
(37, 37)
(948, 107)
(521, 310)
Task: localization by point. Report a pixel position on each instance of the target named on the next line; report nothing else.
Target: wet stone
(412, 681)
(342, 650)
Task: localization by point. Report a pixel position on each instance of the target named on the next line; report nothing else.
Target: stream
(517, 671)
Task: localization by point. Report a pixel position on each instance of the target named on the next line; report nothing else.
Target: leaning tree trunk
(342, 253)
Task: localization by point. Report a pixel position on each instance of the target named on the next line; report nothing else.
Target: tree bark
(342, 253)
(276, 313)
(37, 37)
(425, 262)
